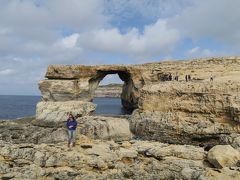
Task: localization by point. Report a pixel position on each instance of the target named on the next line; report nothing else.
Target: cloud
(6, 72)
(197, 52)
(35, 34)
(69, 41)
(74, 14)
(217, 19)
(156, 39)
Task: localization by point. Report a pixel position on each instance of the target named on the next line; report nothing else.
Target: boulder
(223, 156)
(49, 113)
(107, 128)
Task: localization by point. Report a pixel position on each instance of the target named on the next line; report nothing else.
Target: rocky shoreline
(103, 151)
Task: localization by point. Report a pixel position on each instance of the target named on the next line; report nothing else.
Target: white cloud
(73, 14)
(6, 72)
(69, 41)
(156, 39)
(216, 19)
(197, 52)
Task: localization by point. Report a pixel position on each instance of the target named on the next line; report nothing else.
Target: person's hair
(71, 116)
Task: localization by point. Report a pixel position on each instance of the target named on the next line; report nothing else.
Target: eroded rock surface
(183, 112)
(56, 112)
(108, 160)
(77, 82)
(106, 128)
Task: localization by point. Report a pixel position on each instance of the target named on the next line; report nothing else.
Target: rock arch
(77, 82)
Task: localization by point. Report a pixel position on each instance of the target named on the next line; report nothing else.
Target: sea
(15, 106)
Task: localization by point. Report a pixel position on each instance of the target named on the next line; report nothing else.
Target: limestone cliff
(175, 111)
(110, 90)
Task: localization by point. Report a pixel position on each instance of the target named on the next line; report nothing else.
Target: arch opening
(121, 81)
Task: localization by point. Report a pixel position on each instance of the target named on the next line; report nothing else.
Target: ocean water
(109, 106)
(12, 107)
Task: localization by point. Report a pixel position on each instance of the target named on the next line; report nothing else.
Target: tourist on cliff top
(170, 77)
(176, 77)
(189, 77)
(211, 77)
(186, 78)
(71, 125)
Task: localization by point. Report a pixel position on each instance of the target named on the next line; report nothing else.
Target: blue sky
(37, 33)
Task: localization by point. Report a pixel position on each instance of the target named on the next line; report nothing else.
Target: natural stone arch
(127, 97)
(76, 82)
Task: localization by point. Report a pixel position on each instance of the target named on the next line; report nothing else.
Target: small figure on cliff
(71, 125)
(170, 77)
(186, 78)
(189, 77)
(211, 77)
(176, 77)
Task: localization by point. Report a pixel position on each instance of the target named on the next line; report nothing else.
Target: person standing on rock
(170, 77)
(176, 77)
(71, 125)
(211, 77)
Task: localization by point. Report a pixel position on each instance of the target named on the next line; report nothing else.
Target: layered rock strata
(57, 112)
(112, 90)
(79, 82)
(106, 128)
(183, 112)
(109, 160)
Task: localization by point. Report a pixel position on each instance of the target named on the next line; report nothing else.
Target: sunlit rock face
(197, 111)
(57, 112)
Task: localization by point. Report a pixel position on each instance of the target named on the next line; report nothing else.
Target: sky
(37, 33)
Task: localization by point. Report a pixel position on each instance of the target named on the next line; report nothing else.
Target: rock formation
(79, 82)
(230, 157)
(196, 111)
(56, 112)
(106, 128)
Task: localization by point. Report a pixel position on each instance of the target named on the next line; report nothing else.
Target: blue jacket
(71, 123)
